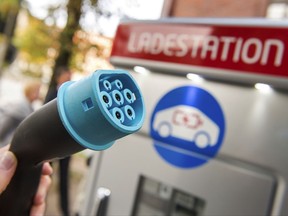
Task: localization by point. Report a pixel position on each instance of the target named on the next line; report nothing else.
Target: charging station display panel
(137, 183)
(156, 198)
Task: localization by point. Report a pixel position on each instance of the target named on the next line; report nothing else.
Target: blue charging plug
(101, 108)
(89, 113)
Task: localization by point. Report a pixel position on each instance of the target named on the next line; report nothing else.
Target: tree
(8, 13)
(35, 39)
(66, 37)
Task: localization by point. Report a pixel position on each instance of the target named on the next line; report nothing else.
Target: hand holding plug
(8, 165)
(89, 113)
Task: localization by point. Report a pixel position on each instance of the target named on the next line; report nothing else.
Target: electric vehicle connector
(89, 113)
(101, 108)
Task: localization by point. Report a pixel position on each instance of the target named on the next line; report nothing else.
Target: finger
(4, 149)
(38, 210)
(8, 163)
(47, 169)
(42, 190)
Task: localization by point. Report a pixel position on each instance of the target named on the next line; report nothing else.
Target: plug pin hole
(105, 99)
(118, 84)
(129, 112)
(118, 115)
(117, 97)
(128, 95)
(107, 85)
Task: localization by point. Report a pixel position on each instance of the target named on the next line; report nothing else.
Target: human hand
(8, 164)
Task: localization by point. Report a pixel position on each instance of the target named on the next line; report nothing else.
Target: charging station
(215, 137)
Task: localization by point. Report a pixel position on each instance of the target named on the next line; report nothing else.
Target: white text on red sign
(248, 51)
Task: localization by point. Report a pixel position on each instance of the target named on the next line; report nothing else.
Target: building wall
(218, 8)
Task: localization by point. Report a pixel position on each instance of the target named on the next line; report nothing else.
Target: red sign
(251, 49)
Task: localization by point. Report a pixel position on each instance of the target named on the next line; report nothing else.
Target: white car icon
(187, 123)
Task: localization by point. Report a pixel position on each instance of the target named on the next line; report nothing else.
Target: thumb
(8, 163)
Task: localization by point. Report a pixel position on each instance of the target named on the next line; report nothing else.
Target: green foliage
(35, 39)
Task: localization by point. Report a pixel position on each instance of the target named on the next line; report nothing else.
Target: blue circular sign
(187, 126)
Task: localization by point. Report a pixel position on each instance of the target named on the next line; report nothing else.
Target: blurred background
(38, 36)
